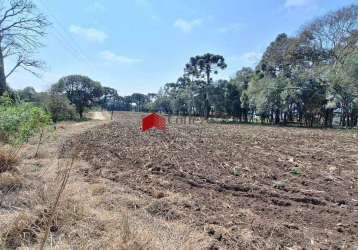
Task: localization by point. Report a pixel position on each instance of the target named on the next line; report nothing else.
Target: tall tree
(21, 27)
(336, 31)
(82, 91)
(140, 100)
(108, 98)
(202, 67)
(241, 82)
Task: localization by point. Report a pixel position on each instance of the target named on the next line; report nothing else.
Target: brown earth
(91, 214)
(243, 186)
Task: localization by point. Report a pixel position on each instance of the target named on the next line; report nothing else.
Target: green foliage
(19, 122)
(28, 94)
(6, 100)
(82, 91)
(201, 68)
(60, 108)
(296, 171)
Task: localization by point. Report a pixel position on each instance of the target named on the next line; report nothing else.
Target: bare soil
(243, 186)
(92, 213)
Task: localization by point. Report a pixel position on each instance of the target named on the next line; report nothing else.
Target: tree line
(72, 95)
(310, 79)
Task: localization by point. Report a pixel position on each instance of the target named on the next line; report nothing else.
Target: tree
(140, 100)
(344, 89)
(21, 27)
(60, 108)
(232, 100)
(28, 94)
(82, 91)
(241, 82)
(217, 96)
(108, 98)
(201, 67)
(336, 31)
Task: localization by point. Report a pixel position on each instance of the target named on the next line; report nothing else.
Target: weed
(296, 171)
(36, 167)
(236, 171)
(280, 184)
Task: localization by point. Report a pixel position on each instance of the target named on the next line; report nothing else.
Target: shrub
(19, 122)
(60, 108)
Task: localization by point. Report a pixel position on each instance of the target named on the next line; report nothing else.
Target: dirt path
(101, 116)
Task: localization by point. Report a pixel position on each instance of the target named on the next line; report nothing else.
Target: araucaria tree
(21, 27)
(82, 91)
(202, 67)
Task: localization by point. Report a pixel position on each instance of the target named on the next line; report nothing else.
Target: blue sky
(139, 45)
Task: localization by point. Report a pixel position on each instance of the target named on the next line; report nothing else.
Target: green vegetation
(19, 122)
(306, 80)
(309, 80)
(296, 171)
(82, 91)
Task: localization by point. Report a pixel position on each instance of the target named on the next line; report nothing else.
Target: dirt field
(233, 186)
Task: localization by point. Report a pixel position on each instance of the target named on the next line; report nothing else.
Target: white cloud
(187, 26)
(112, 57)
(95, 7)
(299, 3)
(233, 27)
(91, 34)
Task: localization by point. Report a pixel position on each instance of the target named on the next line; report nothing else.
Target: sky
(139, 45)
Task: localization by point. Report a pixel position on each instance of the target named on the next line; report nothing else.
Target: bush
(60, 108)
(19, 122)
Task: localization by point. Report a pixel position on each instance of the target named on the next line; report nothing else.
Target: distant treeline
(310, 79)
(72, 95)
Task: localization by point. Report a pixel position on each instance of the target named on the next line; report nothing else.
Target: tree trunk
(2, 74)
(285, 118)
(277, 116)
(80, 112)
(206, 101)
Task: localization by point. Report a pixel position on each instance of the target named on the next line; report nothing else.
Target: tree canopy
(82, 91)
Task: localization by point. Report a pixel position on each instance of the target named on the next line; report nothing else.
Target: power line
(69, 45)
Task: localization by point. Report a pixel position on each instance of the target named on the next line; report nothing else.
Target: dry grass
(10, 182)
(89, 215)
(7, 160)
(75, 223)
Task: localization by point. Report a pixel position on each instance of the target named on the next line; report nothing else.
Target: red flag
(153, 120)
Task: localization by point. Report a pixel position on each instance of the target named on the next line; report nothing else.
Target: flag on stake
(153, 120)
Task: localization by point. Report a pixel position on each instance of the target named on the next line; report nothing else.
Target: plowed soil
(247, 187)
